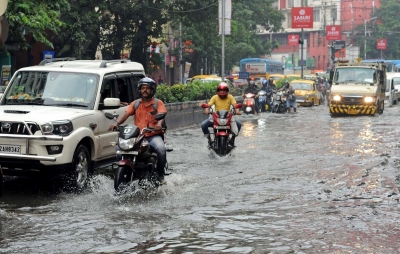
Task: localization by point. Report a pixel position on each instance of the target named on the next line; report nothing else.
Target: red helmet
(222, 87)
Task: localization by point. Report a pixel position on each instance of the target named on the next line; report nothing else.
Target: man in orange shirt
(145, 114)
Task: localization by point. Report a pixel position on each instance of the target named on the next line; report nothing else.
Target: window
(290, 3)
(333, 15)
(289, 20)
(316, 16)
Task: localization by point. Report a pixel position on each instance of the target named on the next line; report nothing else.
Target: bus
(260, 68)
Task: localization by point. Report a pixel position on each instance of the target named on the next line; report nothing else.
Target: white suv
(52, 116)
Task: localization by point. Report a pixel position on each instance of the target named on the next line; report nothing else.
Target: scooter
(138, 158)
(249, 103)
(223, 128)
(279, 102)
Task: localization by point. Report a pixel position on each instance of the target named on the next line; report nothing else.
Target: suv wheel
(80, 169)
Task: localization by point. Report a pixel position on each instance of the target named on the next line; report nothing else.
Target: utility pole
(301, 53)
(223, 41)
(180, 53)
(365, 36)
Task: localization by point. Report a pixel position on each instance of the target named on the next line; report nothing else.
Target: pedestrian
(160, 80)
(290, 97)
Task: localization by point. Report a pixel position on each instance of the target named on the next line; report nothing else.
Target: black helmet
(286, 83)
(252, 83)
(150, 82)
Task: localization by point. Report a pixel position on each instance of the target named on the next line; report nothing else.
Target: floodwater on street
(295, 183)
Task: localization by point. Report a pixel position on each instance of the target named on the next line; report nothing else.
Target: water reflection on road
(304, 183)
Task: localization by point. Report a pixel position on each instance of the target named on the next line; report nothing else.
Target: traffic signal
(301, 41)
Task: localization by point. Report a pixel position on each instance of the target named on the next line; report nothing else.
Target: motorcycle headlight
(62, 128)
(222, 121)
(369, 99)
(337, 98)
(278, 97)
(248, 96)
(126, 144)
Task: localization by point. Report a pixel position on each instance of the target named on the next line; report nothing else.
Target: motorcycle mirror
(159, 116)
(204, 105)
(238, 105)
(109, 115)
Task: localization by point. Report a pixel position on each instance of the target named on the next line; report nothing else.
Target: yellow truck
(357, 88)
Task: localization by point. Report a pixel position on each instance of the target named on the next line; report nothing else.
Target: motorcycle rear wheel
(222, 146)
(122, 177)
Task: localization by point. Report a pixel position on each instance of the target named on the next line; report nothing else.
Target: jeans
(208, 124)
(157, 144)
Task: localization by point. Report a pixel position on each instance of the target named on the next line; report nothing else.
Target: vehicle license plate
(130, 152)
(223, 127)
(353, 111)
(10, 149)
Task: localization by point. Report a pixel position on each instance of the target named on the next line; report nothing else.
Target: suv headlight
(369, 99)
(62, 128)
(126, 144)
(337, 98)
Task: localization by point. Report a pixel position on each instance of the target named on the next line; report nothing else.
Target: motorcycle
(249, 103)
(138, 158)
(223, 128)
(278, 102)
(262, 100)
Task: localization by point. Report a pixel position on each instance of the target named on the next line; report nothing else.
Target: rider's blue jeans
(157, 144)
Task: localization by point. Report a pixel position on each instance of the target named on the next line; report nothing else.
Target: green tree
(34, 19)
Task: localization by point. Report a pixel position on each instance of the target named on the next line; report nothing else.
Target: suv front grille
(353, 100)
(18, 128)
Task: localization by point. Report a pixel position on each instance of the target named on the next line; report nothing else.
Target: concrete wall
(187, 113)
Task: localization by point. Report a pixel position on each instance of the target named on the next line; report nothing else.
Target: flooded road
(296, 183)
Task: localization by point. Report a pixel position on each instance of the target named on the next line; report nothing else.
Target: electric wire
(159, 9)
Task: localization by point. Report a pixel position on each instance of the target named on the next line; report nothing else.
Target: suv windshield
(64, 89)
(355, 75)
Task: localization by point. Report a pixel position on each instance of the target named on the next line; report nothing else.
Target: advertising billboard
(302, 17)
(381, 43)
(293, 39)
(333, 33)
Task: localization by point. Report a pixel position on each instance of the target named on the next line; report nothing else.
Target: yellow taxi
(197, 77)
(276, 77)
(293, 76)
(306, 92)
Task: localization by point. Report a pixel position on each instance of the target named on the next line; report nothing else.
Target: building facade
(349, 14)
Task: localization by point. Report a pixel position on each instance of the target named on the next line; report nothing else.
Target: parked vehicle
(278, 103)
(138, 161)
(223, 128)
(52, 117)
(249, 103)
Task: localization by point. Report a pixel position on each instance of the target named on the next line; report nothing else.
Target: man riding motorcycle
(264, 88)
(222, 101)
(252, 88)
(270, 88)
(143, 114)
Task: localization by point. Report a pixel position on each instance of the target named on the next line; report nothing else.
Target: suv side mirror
(159, 116)
(110, 103)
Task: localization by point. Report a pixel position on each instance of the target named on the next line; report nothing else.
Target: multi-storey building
(349, 14)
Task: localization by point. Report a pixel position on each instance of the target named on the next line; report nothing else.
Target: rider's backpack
(155, 105)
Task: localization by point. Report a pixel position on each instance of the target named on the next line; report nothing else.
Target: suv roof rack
(105, 62)
(51, 60)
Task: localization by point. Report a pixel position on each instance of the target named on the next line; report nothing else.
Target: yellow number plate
(353, 111)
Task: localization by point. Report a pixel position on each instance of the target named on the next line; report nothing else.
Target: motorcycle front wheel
(222, 146)
(122, 177)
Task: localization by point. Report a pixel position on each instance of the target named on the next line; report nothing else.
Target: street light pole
(223, 41)
(365, 36)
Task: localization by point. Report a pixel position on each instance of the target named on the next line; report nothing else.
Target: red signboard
(341, 53)
(293, 39)
(381, 44)
(302, 17)
(333, 33)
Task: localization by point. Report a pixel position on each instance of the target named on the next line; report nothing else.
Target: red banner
(302, 17)
(333, 33)
(341, 53)
(293, 39)
(381, 43)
